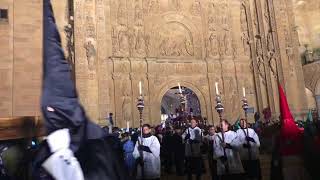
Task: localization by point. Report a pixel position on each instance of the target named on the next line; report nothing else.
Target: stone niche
(191, 42)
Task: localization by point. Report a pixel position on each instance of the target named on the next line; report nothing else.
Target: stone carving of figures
(195, 8)
(162, 47)
(91, 54)
(153, 6)
(189, 47)
(176, 4)
(213, 45)
(139, 45)
(122, 13)
(212, 17)
(260, 60)
(271, 53)
(227, 44)
(138, 16)
(126, 108)
(244, 30)
(123, 42)
(70, 44)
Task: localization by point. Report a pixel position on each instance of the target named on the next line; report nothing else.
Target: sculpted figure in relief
(126, 107)
(122, 13)
(123, 42)
(195, 8)
(227, 44)
(213, 45)
(91, 54)
(244, 31)
(175, 4)
(153, 6)
(139, 44)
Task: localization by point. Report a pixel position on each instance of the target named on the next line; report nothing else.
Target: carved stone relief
(195, 8)
(139, 40)
(244, 31)
(90, 53)
(175, 5)
(174, 40)
(152, 6)
(126, 107)
(231, 96)
(213, 42)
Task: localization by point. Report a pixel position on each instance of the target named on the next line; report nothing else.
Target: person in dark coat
(178, 151)
(167, 150)
(75, 147)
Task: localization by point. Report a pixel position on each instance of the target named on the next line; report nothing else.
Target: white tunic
(254, 150)
(233, 157)
(151, 160)
(193, 149)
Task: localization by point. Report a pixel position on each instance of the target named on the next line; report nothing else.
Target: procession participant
(178, 151)
(75, 147)
(228, 159)
(150, 160)
(192, 138)
(249, 151)
(212, 160)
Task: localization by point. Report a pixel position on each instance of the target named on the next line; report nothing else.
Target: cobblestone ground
(265, 161)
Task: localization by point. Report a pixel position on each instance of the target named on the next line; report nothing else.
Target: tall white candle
(244, 91)
(180, 90)
(217, 89)
(140, 88)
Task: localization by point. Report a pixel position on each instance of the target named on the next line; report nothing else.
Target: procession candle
(217, 90)
(180, 90)
(244, 91)
(140, 88)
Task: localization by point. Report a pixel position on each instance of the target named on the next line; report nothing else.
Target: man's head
(212, 130)
(243, 123)
(194, 123)
(146, 129)
(225, 125)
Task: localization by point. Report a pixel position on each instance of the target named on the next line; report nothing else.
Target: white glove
(62, 165)
(58, 140)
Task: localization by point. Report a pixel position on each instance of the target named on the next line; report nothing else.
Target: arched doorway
(177, 102)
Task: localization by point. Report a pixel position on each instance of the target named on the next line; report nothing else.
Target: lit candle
(180, 90)
(140, 88)
(217, 90)
(244, 91)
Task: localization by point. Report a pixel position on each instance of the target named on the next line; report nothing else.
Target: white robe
(254, 150)
(193, 149)
(152, 163)
(233, 157)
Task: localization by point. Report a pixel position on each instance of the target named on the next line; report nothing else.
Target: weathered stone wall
(197, 43)
(118, 43)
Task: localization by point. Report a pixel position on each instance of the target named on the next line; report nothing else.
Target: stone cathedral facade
(114, 44)
(237, 43)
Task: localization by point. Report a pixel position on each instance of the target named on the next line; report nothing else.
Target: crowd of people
(187, 150)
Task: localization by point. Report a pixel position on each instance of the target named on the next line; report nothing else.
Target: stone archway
(171, 102)
(164, 88)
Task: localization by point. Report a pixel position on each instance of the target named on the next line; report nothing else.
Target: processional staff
(140, 106)
(245, 107)
(219, 108)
